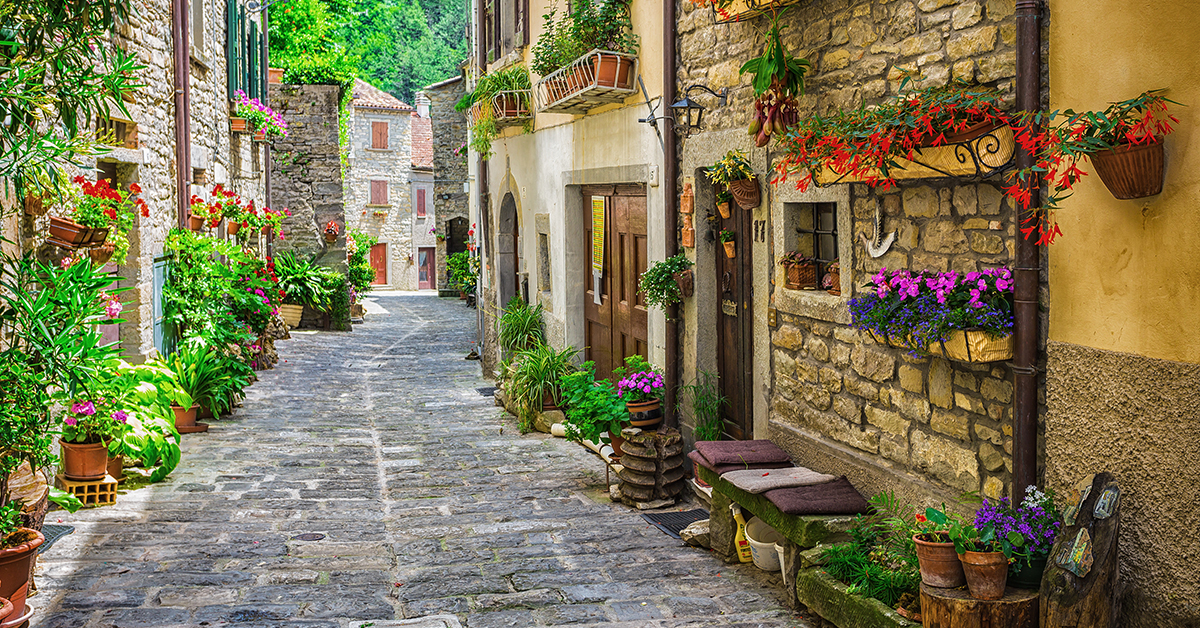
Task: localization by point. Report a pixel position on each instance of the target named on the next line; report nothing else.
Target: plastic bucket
(783, 571)
(762, 539)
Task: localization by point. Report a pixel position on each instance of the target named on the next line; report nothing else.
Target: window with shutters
(420, 202)
(379, 193)
(197, 24)
(506, 27)
(379, 135)
(243, 52)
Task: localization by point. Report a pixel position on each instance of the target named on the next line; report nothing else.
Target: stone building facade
(306, 172)
(449, 131)
(928, 428)
(147, 155)
(378, 181)
(427, 249)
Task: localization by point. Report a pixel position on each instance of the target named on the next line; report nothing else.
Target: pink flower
(70, 421)
(119, 416)
(86, 408)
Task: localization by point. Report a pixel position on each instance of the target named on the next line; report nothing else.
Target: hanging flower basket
(723, 209)
(801, 277)
(34, 205)
(233, 227)
(1131, 171)
(974, 346)
(730, 251)
(746, 192)
(195, 223)
(68, 233)
(238, 125)
(686, 282)
(101, 254)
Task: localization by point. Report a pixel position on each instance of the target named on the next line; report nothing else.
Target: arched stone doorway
(507, 241)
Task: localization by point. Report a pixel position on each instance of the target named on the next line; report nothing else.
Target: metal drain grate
(673, 522)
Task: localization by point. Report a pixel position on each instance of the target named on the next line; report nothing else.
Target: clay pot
(260, 136)
(686, 281)
(116, 467)
(237, 125)
(723, 209)
(986, 573)
(548, 403)
(83, 462)
(730, 251)
(1131, 171)
(939, 564)
(69, 232)
(195, 223)
(275, 76)
(646, 414)
(510, 106)
(612, 71)
(616, 443)
(34, 206)
(330, 237)
(184, 418)
(746, 192)
(101, 254)
(233, 227)
(15, 563)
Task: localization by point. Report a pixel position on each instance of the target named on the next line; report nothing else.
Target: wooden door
(426, 270)
(735, 327)
(615, 328)
(379, 263)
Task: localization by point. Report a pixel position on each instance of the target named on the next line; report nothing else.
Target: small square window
(816, 232)
(379, 135)
(379, 193)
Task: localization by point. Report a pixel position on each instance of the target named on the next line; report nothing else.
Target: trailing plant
(590, 25)
(536, 379)
(358, 252)
(725, 235)
(593, 408)
(923, 308)
(707, 403)
(259, 117)
(734, 166)
(658, 285)
(484, 130)
(795, 258)
(778, 78)
(520, 326)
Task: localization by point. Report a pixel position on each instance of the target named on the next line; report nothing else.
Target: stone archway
(507, 240)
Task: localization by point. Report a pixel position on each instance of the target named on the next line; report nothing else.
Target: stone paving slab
(430, 510)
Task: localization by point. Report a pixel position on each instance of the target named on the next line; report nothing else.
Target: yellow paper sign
(597, 235)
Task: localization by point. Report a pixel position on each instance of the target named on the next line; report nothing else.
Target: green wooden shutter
(231, 45)
(164, 338)
(254, 56)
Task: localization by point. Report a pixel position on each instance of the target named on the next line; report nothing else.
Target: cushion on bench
(838, 497)
(699, 458)
(763, 480)
(742, 452)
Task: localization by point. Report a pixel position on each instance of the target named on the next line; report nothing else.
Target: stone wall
(899, 418)
(449, 168)
(306, 171)
(393, 225)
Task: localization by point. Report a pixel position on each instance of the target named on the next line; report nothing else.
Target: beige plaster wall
(1123, 276)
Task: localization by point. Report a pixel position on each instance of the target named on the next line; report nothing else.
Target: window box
(974, 158)
(597, 78)
(238, 125)
(508, 108)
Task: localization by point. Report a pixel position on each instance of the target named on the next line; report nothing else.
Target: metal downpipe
(183, 130)
(670, 175)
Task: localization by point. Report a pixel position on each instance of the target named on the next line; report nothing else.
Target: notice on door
(598, 233)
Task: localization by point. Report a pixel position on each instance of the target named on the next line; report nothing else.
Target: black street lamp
(689, 114)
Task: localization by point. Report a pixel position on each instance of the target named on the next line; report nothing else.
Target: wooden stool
(955, 608)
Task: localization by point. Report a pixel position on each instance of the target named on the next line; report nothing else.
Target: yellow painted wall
(1124, 275)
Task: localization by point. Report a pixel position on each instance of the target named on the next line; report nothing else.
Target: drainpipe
(183, 113)
(485, 228)
(671, 174)
(1025, 307)
(266, 96)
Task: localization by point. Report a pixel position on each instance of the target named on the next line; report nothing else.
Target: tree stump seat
(955, 608)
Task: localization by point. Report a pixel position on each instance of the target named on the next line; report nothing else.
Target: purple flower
(86, 408)
(119, 416)
(70, 420)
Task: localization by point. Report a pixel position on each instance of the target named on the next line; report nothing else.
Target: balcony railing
(508, 108)
(598, 77)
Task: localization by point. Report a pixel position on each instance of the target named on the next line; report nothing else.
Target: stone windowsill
(371, 206)
(201, 59)
(380, 150)
(816, 304)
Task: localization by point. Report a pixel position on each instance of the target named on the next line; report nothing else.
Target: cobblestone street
(367, 479)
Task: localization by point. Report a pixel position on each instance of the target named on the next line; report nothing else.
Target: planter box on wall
(974, 158)
(597, 78)
(509, 108)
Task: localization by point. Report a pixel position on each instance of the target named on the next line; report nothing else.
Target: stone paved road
(429, 500)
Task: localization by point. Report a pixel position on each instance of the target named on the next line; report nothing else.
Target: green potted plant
(256, 117)
(733, 172)
(534, 386)
(723, 200)
(498, 97)
(520, 326)
(800, 269)
(594, 413)
(591, 28)
(101, 218)
(303, 284)
(706, 401)
(832, 281)
(726, 238)
(198, 376)
(778, 78)
(985, 551)
(661, 284)
(641, 387)
(86, 431)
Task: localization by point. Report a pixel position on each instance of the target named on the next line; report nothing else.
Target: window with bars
(118, 133)
(379, 193)
(816, 232)
(379, 135)
(420, 202)
(243, 52)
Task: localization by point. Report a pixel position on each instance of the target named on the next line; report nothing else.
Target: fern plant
(707, 401)
(520, 326)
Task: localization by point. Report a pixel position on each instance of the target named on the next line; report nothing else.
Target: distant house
(449, 135)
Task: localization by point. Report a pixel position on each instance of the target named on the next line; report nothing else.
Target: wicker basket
(833, 282)
(801, 277)
(974, 346)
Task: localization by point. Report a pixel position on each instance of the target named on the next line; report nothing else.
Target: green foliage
(338, 288)
(733, 166)
(707, 402)
(536, 378)
(776, 67)
(658, 285)
(67, 501)
(725, 235)
(593, 407)
(199, 372)
(634, 364)
(58, 72)
(146, 392)
(358, 257)
(464, 271)
(590, 25)
(483, 127)
(197, 294)
(520, 326)
(869, 574)
(303, 282)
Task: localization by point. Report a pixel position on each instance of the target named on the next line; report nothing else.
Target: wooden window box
(596, 78)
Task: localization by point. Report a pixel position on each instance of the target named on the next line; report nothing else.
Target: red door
(379, 263)
(426, 258)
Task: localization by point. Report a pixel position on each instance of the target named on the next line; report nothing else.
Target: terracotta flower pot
(233, 227)
(101, 254)
(973, 131)
(260, 135)
(746, 192)
(616, 443)
(195, 223)
(275, 75)
(1131, 171)
(612, 71)
(986, 573)
(509, 106)
(723, 209)
(548, 403)
(686, 281)
(15, 563)
(646, 414)
(116, 467)
(238, 125)
(98, 236)
(184, 417)
(939, 563)
(730, 251)
(69, 232)
(330, 237)
(83, 462)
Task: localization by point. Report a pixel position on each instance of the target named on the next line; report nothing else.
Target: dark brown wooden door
(426, 267)
(735, 327)
(615, 328)
(379, 263)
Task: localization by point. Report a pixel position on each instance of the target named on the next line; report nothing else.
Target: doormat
(673, 522)
(53, 532)
(487, 391)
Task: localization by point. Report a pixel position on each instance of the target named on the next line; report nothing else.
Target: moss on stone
(830, 599)
(805, 531)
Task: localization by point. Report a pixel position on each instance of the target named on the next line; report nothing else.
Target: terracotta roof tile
(370, 97)
(422, 142)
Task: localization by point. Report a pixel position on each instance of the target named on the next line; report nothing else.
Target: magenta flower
(86, 408)
(70, 420)
(119, 416)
